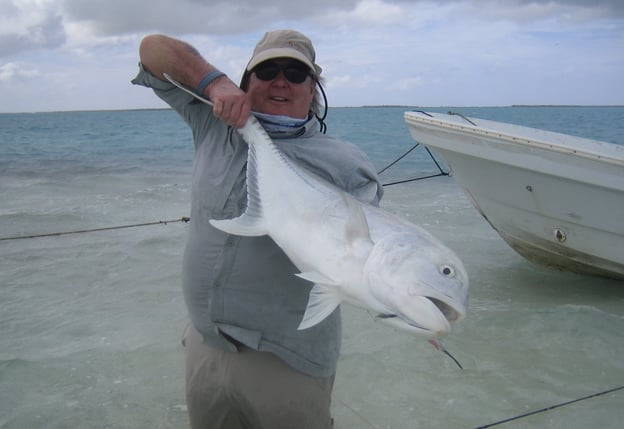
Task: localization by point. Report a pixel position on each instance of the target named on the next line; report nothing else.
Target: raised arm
(162, 54)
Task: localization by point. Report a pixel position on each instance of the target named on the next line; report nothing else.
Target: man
(247, 364)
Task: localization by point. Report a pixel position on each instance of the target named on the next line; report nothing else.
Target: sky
(59, 55)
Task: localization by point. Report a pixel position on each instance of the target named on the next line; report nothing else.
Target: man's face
(279, 95)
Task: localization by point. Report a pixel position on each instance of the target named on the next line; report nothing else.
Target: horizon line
(405, 106)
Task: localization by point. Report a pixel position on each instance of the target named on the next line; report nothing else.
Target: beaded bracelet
(207, 80)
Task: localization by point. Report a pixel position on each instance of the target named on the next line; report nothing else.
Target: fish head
(416, 283)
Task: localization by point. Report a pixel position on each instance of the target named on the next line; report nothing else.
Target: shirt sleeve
(337, 161)
(370, 191)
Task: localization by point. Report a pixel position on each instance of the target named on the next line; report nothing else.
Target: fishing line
(552, 407)
(364, 419)
(184, 219)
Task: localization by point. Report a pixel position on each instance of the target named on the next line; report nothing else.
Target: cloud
(29, 24)
(563, 11)
(16, 71)
(80, 54)
(531, 10)
(407, 84)
(243, 16)
(38, 24)
(376, 12)
(194, 16)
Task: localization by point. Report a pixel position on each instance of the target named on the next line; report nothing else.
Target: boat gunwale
(535, 143)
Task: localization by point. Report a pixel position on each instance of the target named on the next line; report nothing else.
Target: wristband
(207, 80)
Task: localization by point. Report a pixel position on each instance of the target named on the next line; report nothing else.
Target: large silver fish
(351, 251)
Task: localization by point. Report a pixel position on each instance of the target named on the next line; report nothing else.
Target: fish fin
(250, 223)
(322, 302)
(316, 277)
(357, 225)
(245, 225)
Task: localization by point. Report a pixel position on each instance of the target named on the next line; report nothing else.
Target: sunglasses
(293, 72)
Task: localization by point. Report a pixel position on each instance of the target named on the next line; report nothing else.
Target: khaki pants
(251, 390)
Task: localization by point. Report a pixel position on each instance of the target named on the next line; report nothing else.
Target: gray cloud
(193, 16)
(113, 17)
(231, 17)
(373, 51)
(27, 25)
(42, 23)
(543, 8)
(43, 29)
(613, 8)
(573, 11)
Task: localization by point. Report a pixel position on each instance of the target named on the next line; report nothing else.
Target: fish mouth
(450, 313)
(446, 312)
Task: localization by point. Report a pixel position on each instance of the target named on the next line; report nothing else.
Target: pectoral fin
(246, 225)
(322, 302)
(316, 277)
(357, 225)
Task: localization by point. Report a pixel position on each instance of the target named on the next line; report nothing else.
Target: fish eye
(447, 271)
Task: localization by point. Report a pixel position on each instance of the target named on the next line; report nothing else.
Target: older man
(247, 364)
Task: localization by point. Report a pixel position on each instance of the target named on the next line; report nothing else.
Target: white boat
(558, 200)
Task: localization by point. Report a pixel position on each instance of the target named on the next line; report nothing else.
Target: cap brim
(282, 53)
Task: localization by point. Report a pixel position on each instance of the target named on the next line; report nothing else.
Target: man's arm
(162, 54)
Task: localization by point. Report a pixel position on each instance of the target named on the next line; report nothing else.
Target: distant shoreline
(371, 106)
(513, 105)
(566, 105)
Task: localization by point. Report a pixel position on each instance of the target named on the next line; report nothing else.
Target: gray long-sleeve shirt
(246, 287)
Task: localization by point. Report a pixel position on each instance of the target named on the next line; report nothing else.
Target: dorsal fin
(251, 222)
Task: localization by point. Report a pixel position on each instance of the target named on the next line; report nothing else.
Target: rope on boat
(415, 179)
(441, 171)
(184, 219)
(398, 159)
(552, 407)
(463, 117)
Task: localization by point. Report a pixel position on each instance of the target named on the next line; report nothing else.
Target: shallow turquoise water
(90, 323)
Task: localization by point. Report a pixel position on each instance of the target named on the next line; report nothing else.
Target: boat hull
(557, 200)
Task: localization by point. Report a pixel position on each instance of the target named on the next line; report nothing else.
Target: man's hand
(230, 103)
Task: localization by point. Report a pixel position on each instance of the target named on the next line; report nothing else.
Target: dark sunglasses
(293, 72)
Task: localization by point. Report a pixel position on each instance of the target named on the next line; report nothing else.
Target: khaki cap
(285, 44)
